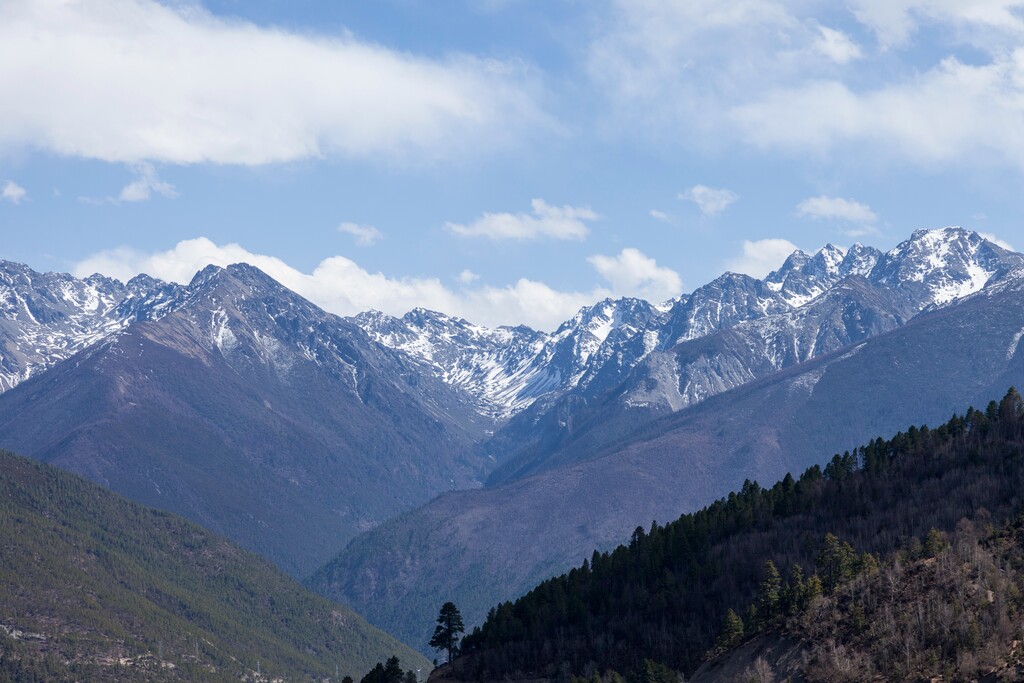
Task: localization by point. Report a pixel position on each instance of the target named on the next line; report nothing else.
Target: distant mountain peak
(235, 273)
(944, 264)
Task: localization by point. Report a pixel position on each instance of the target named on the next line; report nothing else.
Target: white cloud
(920, 120)
(836, 209)
(709, 74)
(994, 239)
(556, 222)
(526, 302)
(365, 235)
(341, 286)
(837, 46)
(666, 67)
(709, 200)
(145, 184)
(661, 216)
(135, 80)
(894, 21)
(468, 277)
(761, 257)
(634, 274)
(13, 192)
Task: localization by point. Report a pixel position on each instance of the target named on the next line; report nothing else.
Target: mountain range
(326, 443)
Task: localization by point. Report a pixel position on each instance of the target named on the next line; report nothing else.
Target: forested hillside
(94, 587)
(946, 607)
(664, 597)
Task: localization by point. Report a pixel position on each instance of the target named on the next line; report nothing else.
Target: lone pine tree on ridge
(446, 634)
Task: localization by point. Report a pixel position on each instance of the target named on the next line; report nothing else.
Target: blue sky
(504, 160)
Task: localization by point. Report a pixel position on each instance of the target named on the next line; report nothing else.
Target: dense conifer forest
(94, 587)
(680, 593)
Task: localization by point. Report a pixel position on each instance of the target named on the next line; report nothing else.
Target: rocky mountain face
(481, 547)
(813, 304)
(251, 411)
(507, 369)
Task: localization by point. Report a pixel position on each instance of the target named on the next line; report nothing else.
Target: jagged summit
(944, 264)
(47, 317)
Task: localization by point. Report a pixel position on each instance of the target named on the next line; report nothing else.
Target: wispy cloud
(711, 201)
(915, 119)
(661, 216)
(365, 235)
(705, 73)
(13, 193)
(468, 277)
(994, 239)
(761, 257)
(137, 80)
(895, 21)
(546, 220)
(836, 208)
(856, 218)
(837, 46)
(146, 183)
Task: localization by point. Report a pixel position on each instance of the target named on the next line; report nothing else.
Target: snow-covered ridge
(47, 317)
(507, 369)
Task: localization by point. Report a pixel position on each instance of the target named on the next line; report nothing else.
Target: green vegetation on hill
(94, 587)
(664, 597)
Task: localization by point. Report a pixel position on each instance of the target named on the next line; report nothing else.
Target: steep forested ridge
(947, 607)
(94, 587)
(664, 596)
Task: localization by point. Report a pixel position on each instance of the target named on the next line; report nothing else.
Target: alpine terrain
(403, 461)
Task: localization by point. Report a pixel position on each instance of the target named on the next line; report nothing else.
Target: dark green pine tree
(771, 593)
(446, 634)
(389, 672)
(732, 632)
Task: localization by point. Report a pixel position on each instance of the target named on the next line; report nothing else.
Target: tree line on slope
(663, 597)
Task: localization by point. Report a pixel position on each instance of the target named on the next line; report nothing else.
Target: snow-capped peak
(943, 264)
(47, 317)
